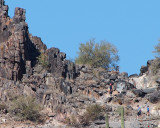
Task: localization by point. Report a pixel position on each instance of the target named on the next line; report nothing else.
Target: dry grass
(92, 113)
(158, 106)
(25, 108)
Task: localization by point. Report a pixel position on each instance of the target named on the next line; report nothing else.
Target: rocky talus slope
(65, 89)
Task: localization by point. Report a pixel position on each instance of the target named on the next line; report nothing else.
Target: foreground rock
(63, 89)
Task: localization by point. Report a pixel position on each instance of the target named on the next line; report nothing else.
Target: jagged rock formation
(17, 46)
(59, 66)
(63, 88)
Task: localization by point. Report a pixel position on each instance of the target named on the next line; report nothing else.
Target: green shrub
(3, 107)
(157, 49)
(155, 66)
(92, 113)
(25, 108)
(101, 54)
(43, 60)
(71, 121)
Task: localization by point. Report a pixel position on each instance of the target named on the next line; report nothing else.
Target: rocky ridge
(63, 88)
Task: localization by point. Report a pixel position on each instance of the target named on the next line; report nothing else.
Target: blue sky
(132, 26)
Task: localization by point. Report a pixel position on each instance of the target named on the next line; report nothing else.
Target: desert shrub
(72, 121)
(157, 49)
(155, 66)
(96, 73)
(118, 110)
(43, 60)
(3, 107)
(25, 108)
(101, 54)
(92, 113)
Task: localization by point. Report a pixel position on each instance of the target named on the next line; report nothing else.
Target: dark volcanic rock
(139, 92)
(59, 66)
(158, 80)
(149, 62)
(133, 75)
(155, 97)
(113, 77)
(143, 69)
(18, 49)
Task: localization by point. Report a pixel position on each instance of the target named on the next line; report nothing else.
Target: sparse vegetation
(3, 107)
(25, 108)
(43, 60)
(72, 121)
(101, 54)
(155, 66)
(157, 49)
(92, 113)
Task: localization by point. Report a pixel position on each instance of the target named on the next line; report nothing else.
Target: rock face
(59, 66)
(64, 87)
(17, 46)
(155, 97)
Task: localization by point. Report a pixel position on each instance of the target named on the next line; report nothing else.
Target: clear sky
(133, 26)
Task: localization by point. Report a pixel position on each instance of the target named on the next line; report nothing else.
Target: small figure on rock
(148, 110)
(111, 88)
(139, 112)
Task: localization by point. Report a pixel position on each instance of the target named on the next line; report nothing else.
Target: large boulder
(139, 93)
(154, 97)
(143, 69)
(158, 80)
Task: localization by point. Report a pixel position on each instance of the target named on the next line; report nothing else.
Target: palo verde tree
(157, 49)
(155, 65)
(101, 54)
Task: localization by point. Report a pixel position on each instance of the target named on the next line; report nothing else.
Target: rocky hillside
(64, 90)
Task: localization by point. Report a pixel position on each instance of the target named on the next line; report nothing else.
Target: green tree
(157, 49)
(155, 65)
(101, 54)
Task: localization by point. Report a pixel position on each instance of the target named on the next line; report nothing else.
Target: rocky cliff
(17, 47)
(63, 89)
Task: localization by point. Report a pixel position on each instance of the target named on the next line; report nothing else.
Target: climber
(111, 88)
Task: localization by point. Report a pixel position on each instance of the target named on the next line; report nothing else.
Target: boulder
(133, 75)
(149, 62)
(143, 69)
(124, 75)
(158, 80)
(113, 77)
(154, 97)
(139, 93)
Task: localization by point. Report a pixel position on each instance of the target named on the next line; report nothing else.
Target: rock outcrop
(59, 66)
(64, 89)
(17, 46)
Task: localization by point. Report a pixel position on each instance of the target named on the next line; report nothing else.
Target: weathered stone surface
(64, 89)
(133, 75)
(155, 97)
(18, 49)
(59, 66)
(158, 80)
(139, 93)
(143, 69)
